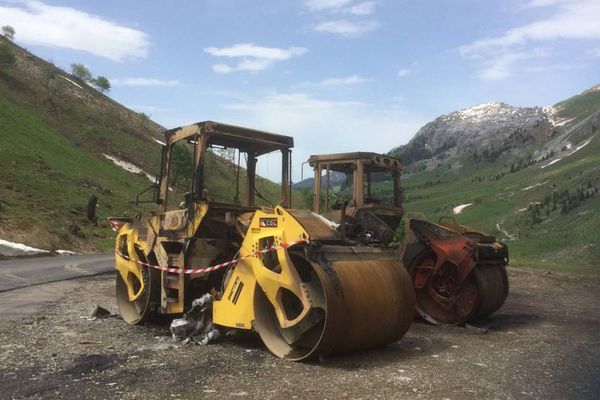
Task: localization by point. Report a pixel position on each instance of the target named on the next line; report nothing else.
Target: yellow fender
(236, 306)
(287, 230)
(129, 268)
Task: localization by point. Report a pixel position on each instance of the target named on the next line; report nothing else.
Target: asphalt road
(24, 272)
(27, 285)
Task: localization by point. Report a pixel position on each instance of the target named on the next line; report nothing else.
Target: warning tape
(217, 266)
(115, 226)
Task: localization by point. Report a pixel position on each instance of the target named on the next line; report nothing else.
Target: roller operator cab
(298, 281)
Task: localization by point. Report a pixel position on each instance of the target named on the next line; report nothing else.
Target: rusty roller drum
(482, 293)
(453, 284)
(356, 304)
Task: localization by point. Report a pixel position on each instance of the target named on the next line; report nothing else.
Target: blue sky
(338, 75)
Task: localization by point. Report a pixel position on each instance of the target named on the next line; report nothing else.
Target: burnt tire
(492, 280)
(483, 292)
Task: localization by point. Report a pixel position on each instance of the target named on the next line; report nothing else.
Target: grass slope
(54, 130)
(46, 181)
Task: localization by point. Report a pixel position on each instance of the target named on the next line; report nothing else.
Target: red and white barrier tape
(217, 266)
(115, 225)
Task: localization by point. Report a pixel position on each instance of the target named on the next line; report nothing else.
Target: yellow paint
(241, 313)
(129, 269)
(235, 309)
(251, 271)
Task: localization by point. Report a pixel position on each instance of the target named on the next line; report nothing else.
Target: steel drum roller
(365, 303)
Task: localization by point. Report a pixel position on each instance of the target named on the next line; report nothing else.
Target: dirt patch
(91, 363)
(542, 344)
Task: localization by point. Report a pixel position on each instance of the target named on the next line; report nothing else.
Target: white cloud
(254, 58)
(571, 20)
(251, 50)
(343, 6)
(346, 28)
(499, 67)
(402, 72)
(321, 5)
(255, 64)
(365, 8)
(291, 101)
(594, 52)
(503, 64)
(542, 3)
(143, 82)
(309, 119)
(43, 25)
(348, 80)
(343, 27)
(222, 68)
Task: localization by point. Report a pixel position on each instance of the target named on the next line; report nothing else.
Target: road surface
(542, 344)
(23, 272)
(27, 285)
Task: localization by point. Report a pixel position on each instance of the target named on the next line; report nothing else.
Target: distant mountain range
(484, 132)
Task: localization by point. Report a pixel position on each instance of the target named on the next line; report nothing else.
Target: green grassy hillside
(46, 181)
(54, 132)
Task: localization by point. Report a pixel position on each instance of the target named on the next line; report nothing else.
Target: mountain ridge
(489, 129)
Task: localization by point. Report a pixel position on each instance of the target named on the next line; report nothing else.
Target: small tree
(82, 72)
(102, 83)
(8, 31)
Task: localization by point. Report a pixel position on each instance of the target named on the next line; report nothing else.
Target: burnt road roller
(288, 274)
(458, 273)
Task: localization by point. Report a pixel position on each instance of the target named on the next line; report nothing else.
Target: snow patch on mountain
(459, 209)
(553, 118)
(129, 167)
(70, 81)
(551, 162)
(486, 110)
(581, 146)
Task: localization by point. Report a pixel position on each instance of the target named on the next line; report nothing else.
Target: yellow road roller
(288, 274)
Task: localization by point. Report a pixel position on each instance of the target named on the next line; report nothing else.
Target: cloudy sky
(338, 75)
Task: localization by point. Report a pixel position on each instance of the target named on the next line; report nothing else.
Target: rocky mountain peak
(487, 125)
(593, 89)
(484, 110)
(487, 130)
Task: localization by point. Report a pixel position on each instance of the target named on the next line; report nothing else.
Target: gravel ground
(542, 344)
